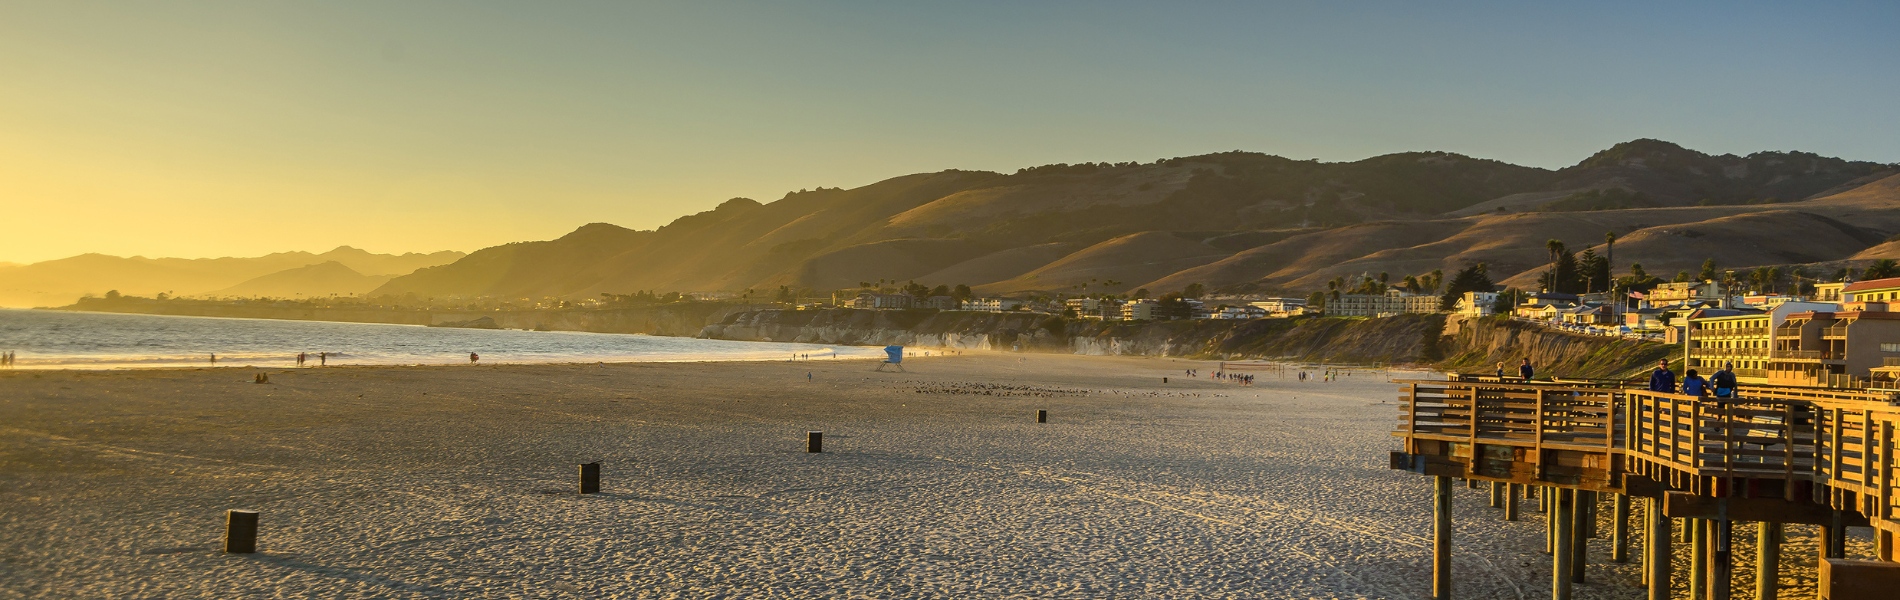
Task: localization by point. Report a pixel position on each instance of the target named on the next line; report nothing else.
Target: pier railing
(1815, 444)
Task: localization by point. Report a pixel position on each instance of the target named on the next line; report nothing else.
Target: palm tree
(1555, 247)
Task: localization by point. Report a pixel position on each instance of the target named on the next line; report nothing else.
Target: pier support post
(240, 531)
(1620, 528)
(1688, 530)
(1767, 561)
(1510, 501)
(1587, 518)
(1699, 560)
(1471, 484)
(814, 442)
(1721, 559)
(1549, 497)
(1441, 538)
(1834, 535)
(1657, 564)
(590, 478)
(1579, 545)
(1563, 503)
(1042, 416)
(1497, 494)
(1883, 545)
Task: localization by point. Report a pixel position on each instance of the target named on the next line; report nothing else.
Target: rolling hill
(1234, 220)
(62, 281)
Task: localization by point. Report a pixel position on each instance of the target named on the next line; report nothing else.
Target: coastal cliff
(1415, 339)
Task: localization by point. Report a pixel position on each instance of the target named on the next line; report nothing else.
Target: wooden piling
(1497, 494)
(1721, 559)
(1619, 528)
(1883, 545)
(1587, 502)
(590, 478)
(1441, 538)
(1563, 503)
(1550, 519)
(1699, 559)
(240, 531)
(1510, 501)
(1580, 517)
(1042, 416)
(1471, 484)
(814, 442)
(1658, 563)
(1767, 561)
(1834, 535)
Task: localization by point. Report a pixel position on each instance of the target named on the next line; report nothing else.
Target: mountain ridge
(1232, 220)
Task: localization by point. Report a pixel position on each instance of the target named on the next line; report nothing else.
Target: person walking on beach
(301, 357)
(1724, 381)
(1525, 371)
(323, 359)
(1694, 385)
(1662, 379)
(474, 358)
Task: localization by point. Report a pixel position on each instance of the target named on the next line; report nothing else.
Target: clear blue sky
(238, 128)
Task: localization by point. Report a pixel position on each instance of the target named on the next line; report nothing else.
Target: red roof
(1873, 284)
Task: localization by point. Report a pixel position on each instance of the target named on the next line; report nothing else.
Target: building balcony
(1805, 355)
(1838, 332)
(1732, 333)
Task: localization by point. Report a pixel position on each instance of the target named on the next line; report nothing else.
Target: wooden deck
(1775, 455)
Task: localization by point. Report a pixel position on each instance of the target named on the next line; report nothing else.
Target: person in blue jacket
(1524, 370)
(1662, 379)
(1694, 385)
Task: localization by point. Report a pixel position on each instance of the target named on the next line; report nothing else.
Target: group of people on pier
(1721, 384)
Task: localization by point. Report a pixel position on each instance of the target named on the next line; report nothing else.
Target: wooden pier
(1776, 456)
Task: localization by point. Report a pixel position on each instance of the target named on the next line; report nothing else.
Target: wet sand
(418, 482)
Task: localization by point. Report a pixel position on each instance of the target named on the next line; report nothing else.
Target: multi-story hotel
(1842, 347)
(1745, 339)
(1395, 301)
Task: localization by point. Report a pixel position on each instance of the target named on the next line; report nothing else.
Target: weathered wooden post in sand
(814, 442)
(1721, 559)
(1767, 560)
(590, 478)
(1563, 504)
(1699, 559)
(240, 531)
(1497, 494)
(1510, 501)
(1579, 546)
(1042, 416)
(1657, 563)
(1620, 528)
(1441, 538)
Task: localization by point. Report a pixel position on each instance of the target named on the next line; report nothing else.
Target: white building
(1241, 312)
(1477, 305)
(1139, 310)
(992, 304)
(1395, 301)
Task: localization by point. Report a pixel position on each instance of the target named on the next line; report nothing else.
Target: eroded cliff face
(1477, 346)
(1407, 339)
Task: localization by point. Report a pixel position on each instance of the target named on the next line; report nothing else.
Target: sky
(202, 129)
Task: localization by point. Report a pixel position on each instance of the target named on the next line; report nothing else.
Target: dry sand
(458, 482)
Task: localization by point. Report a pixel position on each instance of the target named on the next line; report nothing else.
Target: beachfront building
(1844, 345)
(882, 301)
(1747, 338)
(992, 304)
(1828, 292)
(940, 303)
(1280, 307)
(1240, 312)
(1545, 306)
(1139, 310)
(1476, 305)
(1683, 292)
(1395, 301)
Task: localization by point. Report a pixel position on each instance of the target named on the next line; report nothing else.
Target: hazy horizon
(242, 130)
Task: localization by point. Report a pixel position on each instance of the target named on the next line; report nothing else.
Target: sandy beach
(414, 482)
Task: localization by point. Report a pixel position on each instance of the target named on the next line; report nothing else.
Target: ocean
(43, 339)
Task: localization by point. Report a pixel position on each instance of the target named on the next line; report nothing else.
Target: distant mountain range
(343, 271)
(1237, 221)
